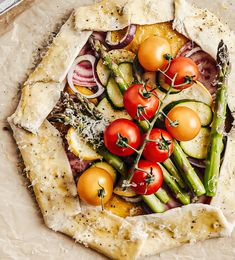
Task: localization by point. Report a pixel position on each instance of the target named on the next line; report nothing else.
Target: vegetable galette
(126, 127)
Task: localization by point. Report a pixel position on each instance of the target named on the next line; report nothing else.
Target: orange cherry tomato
(91, 182)
(184, 67)
(152, 53)
(183, 123)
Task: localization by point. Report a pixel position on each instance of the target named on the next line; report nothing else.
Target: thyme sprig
(82, 115)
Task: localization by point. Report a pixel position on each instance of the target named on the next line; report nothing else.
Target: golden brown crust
(44, 155)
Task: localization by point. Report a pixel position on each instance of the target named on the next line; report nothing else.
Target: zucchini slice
(196, 92)
(197, 147)
(203, 110)
(119, 56)
(109, 112)
(127, 72)
(103, 72)
(164, 87)
(114, 93)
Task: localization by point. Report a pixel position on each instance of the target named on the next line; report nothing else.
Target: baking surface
(22, 232)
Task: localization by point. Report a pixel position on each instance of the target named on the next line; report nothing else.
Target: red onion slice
(88, 83)
(197, 163)
(80, 77)
(189, 46)
(84, 72)
(127, 39)
(77, 165)
(99, 35)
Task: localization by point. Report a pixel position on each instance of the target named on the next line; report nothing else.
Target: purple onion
(82, 80)
(127, 39)
(197, 163)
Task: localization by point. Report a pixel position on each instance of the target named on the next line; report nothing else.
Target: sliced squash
(79, 147)
(196, 92)
(128, 192)
(107, 167)
(122, 208)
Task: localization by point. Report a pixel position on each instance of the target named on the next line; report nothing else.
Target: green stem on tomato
(137, 159)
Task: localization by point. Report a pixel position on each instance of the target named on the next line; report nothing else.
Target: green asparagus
(189, 174)
(169, 165)
(113, 160)
(162, 195)
(181, 195)
(153, 203)
(217, 128)
(122, 84)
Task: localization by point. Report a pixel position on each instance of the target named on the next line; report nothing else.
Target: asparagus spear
(162, 195)
(100, 49)
(169, 165)
(189, 175)
(113, 160)
(181, 195)
(217, 128)
(154, 203)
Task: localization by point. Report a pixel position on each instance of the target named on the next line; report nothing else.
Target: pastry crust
(49, 172)
(42, 89)
(182, 225)
(44, 155)
(118, 14)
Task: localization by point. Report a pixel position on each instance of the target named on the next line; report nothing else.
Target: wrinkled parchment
(22, 232)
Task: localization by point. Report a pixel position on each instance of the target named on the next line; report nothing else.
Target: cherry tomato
(149, 181)
(184, 67)
(91, 183)
(152, 53)
(183, 123)
(139, 97)
(127, 131)
(161, 148)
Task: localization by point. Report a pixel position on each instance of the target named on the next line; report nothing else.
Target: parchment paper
(22, 232)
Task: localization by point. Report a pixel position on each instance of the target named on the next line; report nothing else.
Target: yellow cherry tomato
(183, 123)
(92, 183)
(152, 53)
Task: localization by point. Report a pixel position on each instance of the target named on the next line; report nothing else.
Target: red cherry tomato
(184, 67)
(161, 148)
(139, 97)
(125, 130)
(149, 181)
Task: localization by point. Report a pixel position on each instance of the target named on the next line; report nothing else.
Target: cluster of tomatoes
(123, 137)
